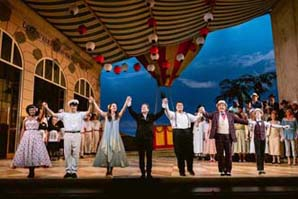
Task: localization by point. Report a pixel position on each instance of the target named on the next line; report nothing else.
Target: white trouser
(82, 148)
(95, 141)
(72, 142)
(88, 142)
(290, 145)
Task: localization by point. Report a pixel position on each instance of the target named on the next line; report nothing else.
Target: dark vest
(260, 131)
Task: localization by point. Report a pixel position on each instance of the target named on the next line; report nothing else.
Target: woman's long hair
(109, 115)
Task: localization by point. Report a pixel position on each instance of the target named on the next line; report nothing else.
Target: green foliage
(242, 87)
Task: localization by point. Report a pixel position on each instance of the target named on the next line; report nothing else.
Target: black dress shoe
(143, 176)
(67, 175)
(74, 175)
(228, 174)
(31, 175)
(192, 173)
(149, 176)
(222, 174)
(182, 174)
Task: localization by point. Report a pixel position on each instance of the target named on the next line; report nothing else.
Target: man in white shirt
(182, 135)
(72, 121)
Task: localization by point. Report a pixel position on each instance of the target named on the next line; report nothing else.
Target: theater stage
(279, 182)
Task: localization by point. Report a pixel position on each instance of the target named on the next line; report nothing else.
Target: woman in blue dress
(290, 135)
(111, 151)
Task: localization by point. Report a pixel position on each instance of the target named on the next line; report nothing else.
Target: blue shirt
(290, 134)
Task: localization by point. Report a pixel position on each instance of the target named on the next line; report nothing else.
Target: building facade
(38, 63)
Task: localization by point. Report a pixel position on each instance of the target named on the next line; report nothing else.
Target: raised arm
(130, 109)
(132, 113)
(165, 105)
(90, 106)
(41, 114)
(240, 121)
(194, 118)
(124, 106)
(45, 105)
(101, 112)
(159, 114)
(205, 114)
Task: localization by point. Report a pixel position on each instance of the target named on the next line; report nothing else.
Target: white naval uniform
(72, 138)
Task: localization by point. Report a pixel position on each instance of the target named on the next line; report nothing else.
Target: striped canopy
(120, 28)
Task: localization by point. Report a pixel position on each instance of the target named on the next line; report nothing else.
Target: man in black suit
(144, 136)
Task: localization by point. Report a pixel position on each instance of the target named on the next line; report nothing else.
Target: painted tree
(242, 87)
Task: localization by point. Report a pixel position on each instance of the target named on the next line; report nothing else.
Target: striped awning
(119, 28)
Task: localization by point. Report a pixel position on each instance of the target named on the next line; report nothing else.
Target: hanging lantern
(137, 67)
(200, 41)
(192, 47)
(151, 67)
(90, 46)
(74, 10)
(154, 57)
(166, 65)
(153, 38)
(99, 59)
(151, 22)
(210, 2)
(124, 67)
(82, 29)
(108, 67)
(208, 17)
(117, 70)
(154, 50)
(180, 57)
(204, 32)
(150, 3)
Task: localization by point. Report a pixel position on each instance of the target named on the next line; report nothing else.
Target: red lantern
(151, 22)
(137, 67)
(154, 50)
(100, 59)
(166, 65)
(210, 2)
(192, 47)
(117, 70)
(204, 32)
(82, 29)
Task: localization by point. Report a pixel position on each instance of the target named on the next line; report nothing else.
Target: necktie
(223, 115)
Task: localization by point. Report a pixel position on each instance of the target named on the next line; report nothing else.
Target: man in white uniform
(72, 121)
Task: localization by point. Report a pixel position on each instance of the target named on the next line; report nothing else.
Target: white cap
(221, 102)
(73, 101)
(258, 109)
(255, 94)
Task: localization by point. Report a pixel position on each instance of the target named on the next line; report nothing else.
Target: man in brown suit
(223, 131)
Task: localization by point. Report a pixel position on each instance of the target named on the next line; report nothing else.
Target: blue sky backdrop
(227, 53)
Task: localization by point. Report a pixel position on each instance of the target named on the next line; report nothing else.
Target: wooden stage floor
(164, 165)
(281, 181)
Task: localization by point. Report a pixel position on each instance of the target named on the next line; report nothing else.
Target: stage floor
(164, 166)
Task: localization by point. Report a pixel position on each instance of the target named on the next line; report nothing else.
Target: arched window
(49, 84)
(9, 50)
(49, 70)
(83, 91)
(11, 66)
(83, 88)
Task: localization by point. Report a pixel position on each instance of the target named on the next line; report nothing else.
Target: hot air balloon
(172, 61)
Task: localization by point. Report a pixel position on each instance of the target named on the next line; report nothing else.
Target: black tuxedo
(144, 137)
